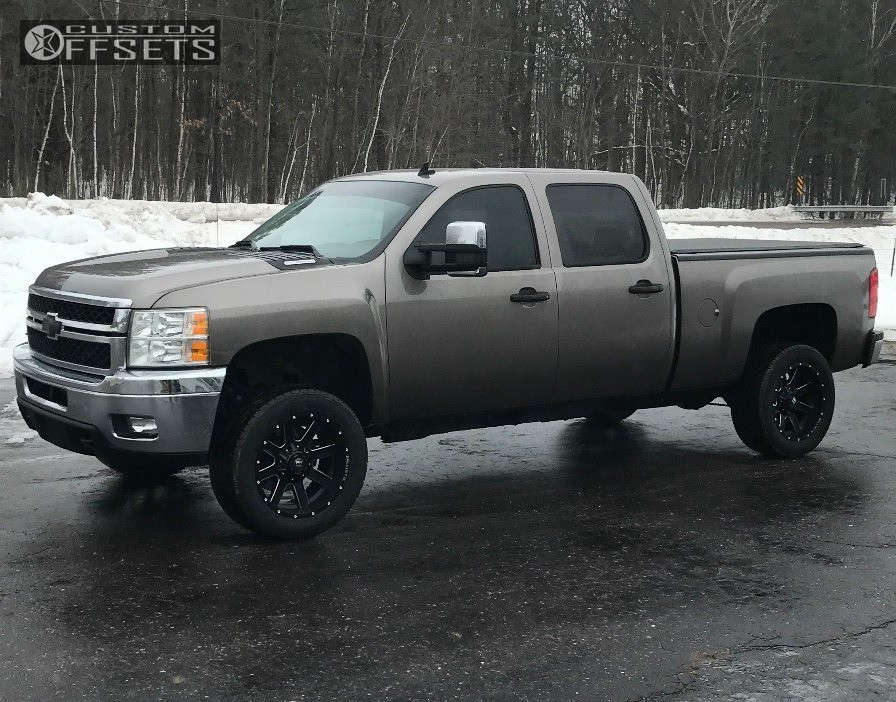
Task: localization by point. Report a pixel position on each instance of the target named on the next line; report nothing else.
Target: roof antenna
(425, 171)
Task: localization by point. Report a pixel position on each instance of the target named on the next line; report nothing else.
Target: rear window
(597, 225)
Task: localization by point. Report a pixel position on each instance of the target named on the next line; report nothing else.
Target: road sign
(800, 186)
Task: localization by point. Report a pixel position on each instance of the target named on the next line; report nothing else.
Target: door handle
(526, 295)
(645, 287)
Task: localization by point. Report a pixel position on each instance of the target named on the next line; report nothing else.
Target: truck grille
(78, 332)
(74, 311)
(84, 353)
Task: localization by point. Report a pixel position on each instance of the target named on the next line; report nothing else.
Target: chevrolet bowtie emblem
(51, 326)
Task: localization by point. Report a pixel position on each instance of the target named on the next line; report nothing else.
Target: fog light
(143, 426)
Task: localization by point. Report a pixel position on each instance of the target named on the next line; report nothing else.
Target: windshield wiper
(244, 244)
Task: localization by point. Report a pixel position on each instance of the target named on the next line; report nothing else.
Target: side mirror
(463, 253)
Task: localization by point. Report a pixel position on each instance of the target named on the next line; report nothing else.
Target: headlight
(169, 338)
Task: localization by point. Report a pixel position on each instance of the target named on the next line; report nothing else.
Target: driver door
(459, 344)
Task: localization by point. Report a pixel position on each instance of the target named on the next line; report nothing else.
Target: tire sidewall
(778, 365)
(245, 491)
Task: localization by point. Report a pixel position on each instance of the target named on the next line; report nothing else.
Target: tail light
(872, 293)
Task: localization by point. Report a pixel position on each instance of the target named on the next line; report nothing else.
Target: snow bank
(719, 214)
(193, 212)
(40, 231)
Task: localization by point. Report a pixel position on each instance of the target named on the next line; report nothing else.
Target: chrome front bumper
(183, 403)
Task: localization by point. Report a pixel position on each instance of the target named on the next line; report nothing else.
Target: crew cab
(403, 303)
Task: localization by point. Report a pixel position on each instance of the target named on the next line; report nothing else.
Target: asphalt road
(547, 561)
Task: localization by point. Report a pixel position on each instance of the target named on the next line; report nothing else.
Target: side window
(597, 225)
(508, 225)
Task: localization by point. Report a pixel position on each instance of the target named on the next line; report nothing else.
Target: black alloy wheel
(293, 465)
(302, 464)
(785, 401)
(798, 400)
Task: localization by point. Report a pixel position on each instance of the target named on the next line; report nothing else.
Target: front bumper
(874, 343)
(78, 411)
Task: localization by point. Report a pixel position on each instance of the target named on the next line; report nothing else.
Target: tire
(295, 467)
(142, 467)
(748, 429)
(609, 418)
(785, 403)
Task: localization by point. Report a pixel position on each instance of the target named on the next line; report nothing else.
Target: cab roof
(443, 176)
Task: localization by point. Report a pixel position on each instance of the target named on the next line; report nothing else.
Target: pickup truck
(400, 304)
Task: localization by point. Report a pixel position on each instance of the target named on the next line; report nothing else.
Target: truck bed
(722, 281)
(752, 248)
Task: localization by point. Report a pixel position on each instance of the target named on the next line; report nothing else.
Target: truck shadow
(585, 466)
(450, 549)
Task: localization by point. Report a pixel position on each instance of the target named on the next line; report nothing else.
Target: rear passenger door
(616, 313)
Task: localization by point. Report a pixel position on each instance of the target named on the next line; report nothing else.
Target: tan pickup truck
(399, 304)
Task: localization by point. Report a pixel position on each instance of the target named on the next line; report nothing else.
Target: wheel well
(811, 324)
(335, 363)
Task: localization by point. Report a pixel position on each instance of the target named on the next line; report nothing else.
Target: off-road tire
(775, 419)
(235, 467)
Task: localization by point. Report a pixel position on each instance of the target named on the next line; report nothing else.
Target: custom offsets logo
(192, 41)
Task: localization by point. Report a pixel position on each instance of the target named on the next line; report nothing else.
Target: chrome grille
(76, 331)
(74, 311)
(84, 353)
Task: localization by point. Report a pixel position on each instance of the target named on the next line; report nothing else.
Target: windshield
(343, 219)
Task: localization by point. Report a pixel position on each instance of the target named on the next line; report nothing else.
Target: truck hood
(144, 276)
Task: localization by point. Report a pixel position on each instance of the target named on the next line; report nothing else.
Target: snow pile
(13, 430)
(719, 214)
(40, 231)
(193, 212)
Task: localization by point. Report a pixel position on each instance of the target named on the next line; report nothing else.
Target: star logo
(44, 42)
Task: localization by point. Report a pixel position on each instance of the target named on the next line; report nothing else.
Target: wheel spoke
(319, 477)
(301, 496)
(307, 433)
(323, 451)
(804, 407)
(277, 492)
(262, 477)
(267, 468)
(796, 424)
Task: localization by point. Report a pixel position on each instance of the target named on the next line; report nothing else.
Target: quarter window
(597, 225)
(508, 225)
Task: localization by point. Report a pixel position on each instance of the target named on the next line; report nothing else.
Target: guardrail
(865, 211)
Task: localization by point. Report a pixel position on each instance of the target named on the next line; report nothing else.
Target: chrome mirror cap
(466, 233)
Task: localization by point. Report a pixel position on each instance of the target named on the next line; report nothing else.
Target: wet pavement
(547, 561)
